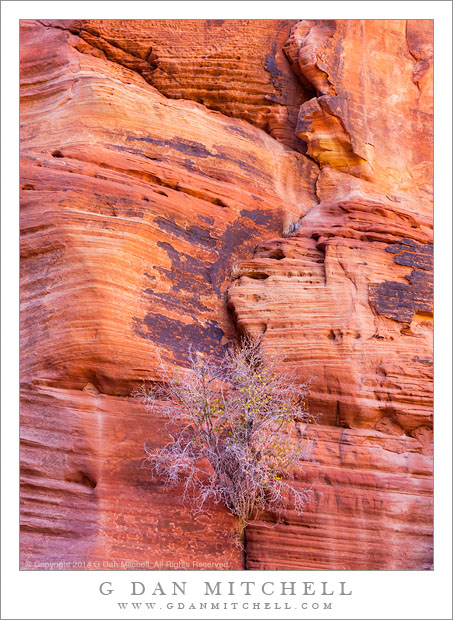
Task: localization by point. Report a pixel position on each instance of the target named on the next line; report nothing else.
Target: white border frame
(376, 594)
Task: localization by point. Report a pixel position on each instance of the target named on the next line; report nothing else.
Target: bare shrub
(232, 433)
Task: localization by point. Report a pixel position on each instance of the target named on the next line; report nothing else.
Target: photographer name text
(301, 590)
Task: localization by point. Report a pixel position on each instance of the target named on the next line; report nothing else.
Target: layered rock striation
(188, 182)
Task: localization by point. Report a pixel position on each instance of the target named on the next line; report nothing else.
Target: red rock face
(185, 182)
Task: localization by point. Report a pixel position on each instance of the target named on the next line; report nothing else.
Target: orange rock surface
(185, 182)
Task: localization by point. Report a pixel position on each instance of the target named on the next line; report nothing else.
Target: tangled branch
(231, 436)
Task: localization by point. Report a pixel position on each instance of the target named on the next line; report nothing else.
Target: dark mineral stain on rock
(271, 67)
(174, 303)
(193, 234)
(237, 234)
(196, 149)
(178, 336)
(412, 254)
(188, 147)
(183, 263)
(258, 216)
(191, 281)
(399, 301)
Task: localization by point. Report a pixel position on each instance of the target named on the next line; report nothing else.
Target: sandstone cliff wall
(186, 182)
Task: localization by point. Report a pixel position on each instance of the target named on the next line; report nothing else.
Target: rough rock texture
(186, 182)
